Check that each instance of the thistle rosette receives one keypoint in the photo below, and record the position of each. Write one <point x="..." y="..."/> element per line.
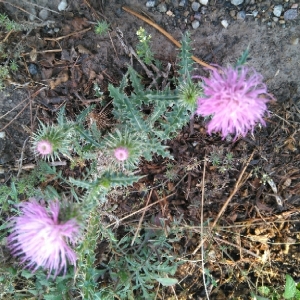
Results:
<point x="51" y="141"/>
<point x="43" y="238"/>
<point x="125" y="148"/>
<point x="236" y="98"/>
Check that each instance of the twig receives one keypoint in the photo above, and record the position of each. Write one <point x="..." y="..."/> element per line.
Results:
<point x="141" y="220"/>
<point x="236" y="188"/>
<point x="65" y="36"/>
<point x="21" y="158"/>
<point x="142" y="209"/>
<point x="202" y="233"/>
<point x="166" y="34"/>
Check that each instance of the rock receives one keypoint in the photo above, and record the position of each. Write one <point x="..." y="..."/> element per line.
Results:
<point x="224" y="23"/>
<point x="32" y="14"/>
<point x="44" y="14"/>
<point x="236" y="2"/>
<point x="150" y="3"/>
<point x="195" y="6"/>
<point x="182" y="3"/>
<point x="162" y="7"/>
<point x="254" y="13"/>
<point x="195" y="24"/>
<point x="277" y="10"/>
<point x="233" y="14"/>
<point x="62" y="5"/>
<point x="204" y="2"/>
<point x="291" y="14"/>
<point x="32" y="68"/>
<point x="241" y="15"/>
<point x="197" y="16"/>
<point x="295" y="41"/>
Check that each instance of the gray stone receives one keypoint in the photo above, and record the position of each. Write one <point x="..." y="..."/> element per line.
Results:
<point x="224" y="23"/>
<point x="236" y="2"/>
<point x="44" y="14"/>
<point x="241" y="15"/>
<point x="195" y="24"/>
<point x="150" y="3"/>
<point x="162" y="7"/>
<point x="277" y="10"/>
<point x="203" y="2"/>
<point x="291" y="14"/>
<point x="195" y="6"/>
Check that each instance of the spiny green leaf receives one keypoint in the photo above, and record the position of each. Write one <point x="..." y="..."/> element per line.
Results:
<point x="167" y="281"/>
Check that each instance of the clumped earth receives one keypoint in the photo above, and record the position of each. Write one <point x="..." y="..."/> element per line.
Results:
<point x="256" y="239"/>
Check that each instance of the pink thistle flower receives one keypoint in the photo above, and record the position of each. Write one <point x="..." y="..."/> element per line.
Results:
<point x="44" y="147"/>
<point x="41" y="239"/>
<point x="236" y="98"/>
<point x="121" y="153"/>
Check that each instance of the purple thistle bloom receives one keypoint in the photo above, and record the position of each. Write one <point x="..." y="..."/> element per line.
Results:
<point x="236" y="98"/>
<point x="44" y="148"/>
<point x="41" y="239"/>
<point x="121" y="153"/>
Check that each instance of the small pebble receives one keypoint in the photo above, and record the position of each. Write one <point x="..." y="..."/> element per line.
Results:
<point x="203" y="10"/>
<point x="197" y="16"/>
<point x="150" y="3"/>
<point x="295" y="5"/>
<point x="32" y="68"/>
<point x="295" y="41"/>
<point x="277" y="10"/>
<point x="162" y="7"/>
<point x="224" y="23"/>
<point x="241" y="15"/>
<point x="291" y="14"/>
<point x="44" y="14"/>
<point x="62" y="5"/>
<point x="2" y="134"/>
<point x="204" y="2"/>
<point x="236" y="2"/>
<point x="275" y="19"/>
<point x="233" y="13"/>
<point x="195" y="24"/>
<point x="32" y="14"/>
<point x="255" y="13"/>
<point x="182" y="3"/>
<point x="195" y="6"/>
<point x="282" y="22"/>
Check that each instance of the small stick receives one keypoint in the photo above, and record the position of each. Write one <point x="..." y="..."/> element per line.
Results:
<point x="141" y="210"/>
<point x="166" y="34"/>
<point x="236" y="188"/>
<point x="141" y="220"/>
<point x="65" y="36"/>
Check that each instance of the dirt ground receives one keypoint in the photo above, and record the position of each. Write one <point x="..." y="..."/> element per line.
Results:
<point x="260" y="221"/>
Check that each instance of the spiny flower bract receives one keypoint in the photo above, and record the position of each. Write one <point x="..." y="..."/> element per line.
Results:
<point x="235" y="98"/>
<point x="41" y="239"/>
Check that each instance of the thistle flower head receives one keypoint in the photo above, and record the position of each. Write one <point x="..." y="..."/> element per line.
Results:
<point x="49" y="141"/>
<point x="236" y="98"/>
<point x="41" y="239"/>
<point x="121" y="153"/>
<point x="125" y="148"/>
<point x="44" y="147"/>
